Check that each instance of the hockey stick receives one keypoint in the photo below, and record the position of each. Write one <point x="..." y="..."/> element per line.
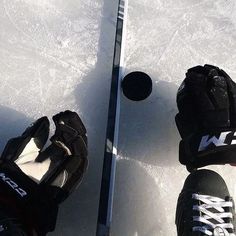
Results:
<point x="110" y="153"/>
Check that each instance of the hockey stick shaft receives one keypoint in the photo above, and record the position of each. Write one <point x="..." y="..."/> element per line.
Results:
<point x="110" y="153"/>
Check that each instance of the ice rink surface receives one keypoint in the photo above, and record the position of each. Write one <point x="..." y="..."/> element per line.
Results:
<point x="57" y="55"/>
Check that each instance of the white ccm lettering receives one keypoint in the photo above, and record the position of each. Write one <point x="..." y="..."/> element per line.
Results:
<point x="206" y="141"/>
<point x="234" y="141"/>
<point x="13" y="185"/>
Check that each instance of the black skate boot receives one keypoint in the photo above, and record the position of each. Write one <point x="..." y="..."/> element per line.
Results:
<point x="204" y="206"/>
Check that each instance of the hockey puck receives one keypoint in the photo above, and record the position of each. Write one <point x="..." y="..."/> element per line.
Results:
<point x="136" y="86"/>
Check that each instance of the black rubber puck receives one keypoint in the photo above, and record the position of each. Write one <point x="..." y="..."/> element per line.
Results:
<point x="136" y="86"/>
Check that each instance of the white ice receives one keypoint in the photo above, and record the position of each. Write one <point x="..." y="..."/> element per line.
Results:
<point x="57" y="55"/>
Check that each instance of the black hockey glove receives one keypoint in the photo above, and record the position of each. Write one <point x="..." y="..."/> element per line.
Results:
<point x="34" y="182"/>
<point x="207" y="118"/>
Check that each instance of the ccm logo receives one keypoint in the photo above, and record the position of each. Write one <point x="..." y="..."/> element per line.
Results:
<point x="221" y="141"/>
<point x="13" y="185"/>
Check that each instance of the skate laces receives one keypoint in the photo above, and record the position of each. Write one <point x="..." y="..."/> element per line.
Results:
<point x="213" y="216"/>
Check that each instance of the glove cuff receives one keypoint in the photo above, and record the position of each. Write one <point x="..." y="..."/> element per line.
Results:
<point x="32" y="200"/>
<point x="202" y="149"/>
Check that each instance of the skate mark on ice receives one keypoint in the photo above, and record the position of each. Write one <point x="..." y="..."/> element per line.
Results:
<point x="179" y="25"/>
<point x="38" y="49"/>
<point x="154" y="172"/>
<point x="160" y="175"/>
<point x="193" y="6"/>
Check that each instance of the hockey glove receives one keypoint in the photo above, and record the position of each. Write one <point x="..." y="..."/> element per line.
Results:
<point x="207" y="117"/>
<point x="33" y="182"/>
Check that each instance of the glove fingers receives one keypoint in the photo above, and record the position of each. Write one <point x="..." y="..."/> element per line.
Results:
<point x="206" y="91"/>
<point x="195" y="92"/>
<point x="68" y="126"/>
<point x="32" y="140"/>
<point x="198" y="83"/>
<point x="232" y="98"/>
<point x="73" y="169"/>
<point x="190" y="93"/>
<point x="186" y="118"/>
<point x="71" y="119"/>
<point x="66" y="171"/>
<point x="220" y="117"/>
<point x="68" y="154"/>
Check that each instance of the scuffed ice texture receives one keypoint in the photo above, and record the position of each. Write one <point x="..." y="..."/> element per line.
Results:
<point x="47" y="49"/>
<point x="57" y="55"/>
<point x="169" y="36"/>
